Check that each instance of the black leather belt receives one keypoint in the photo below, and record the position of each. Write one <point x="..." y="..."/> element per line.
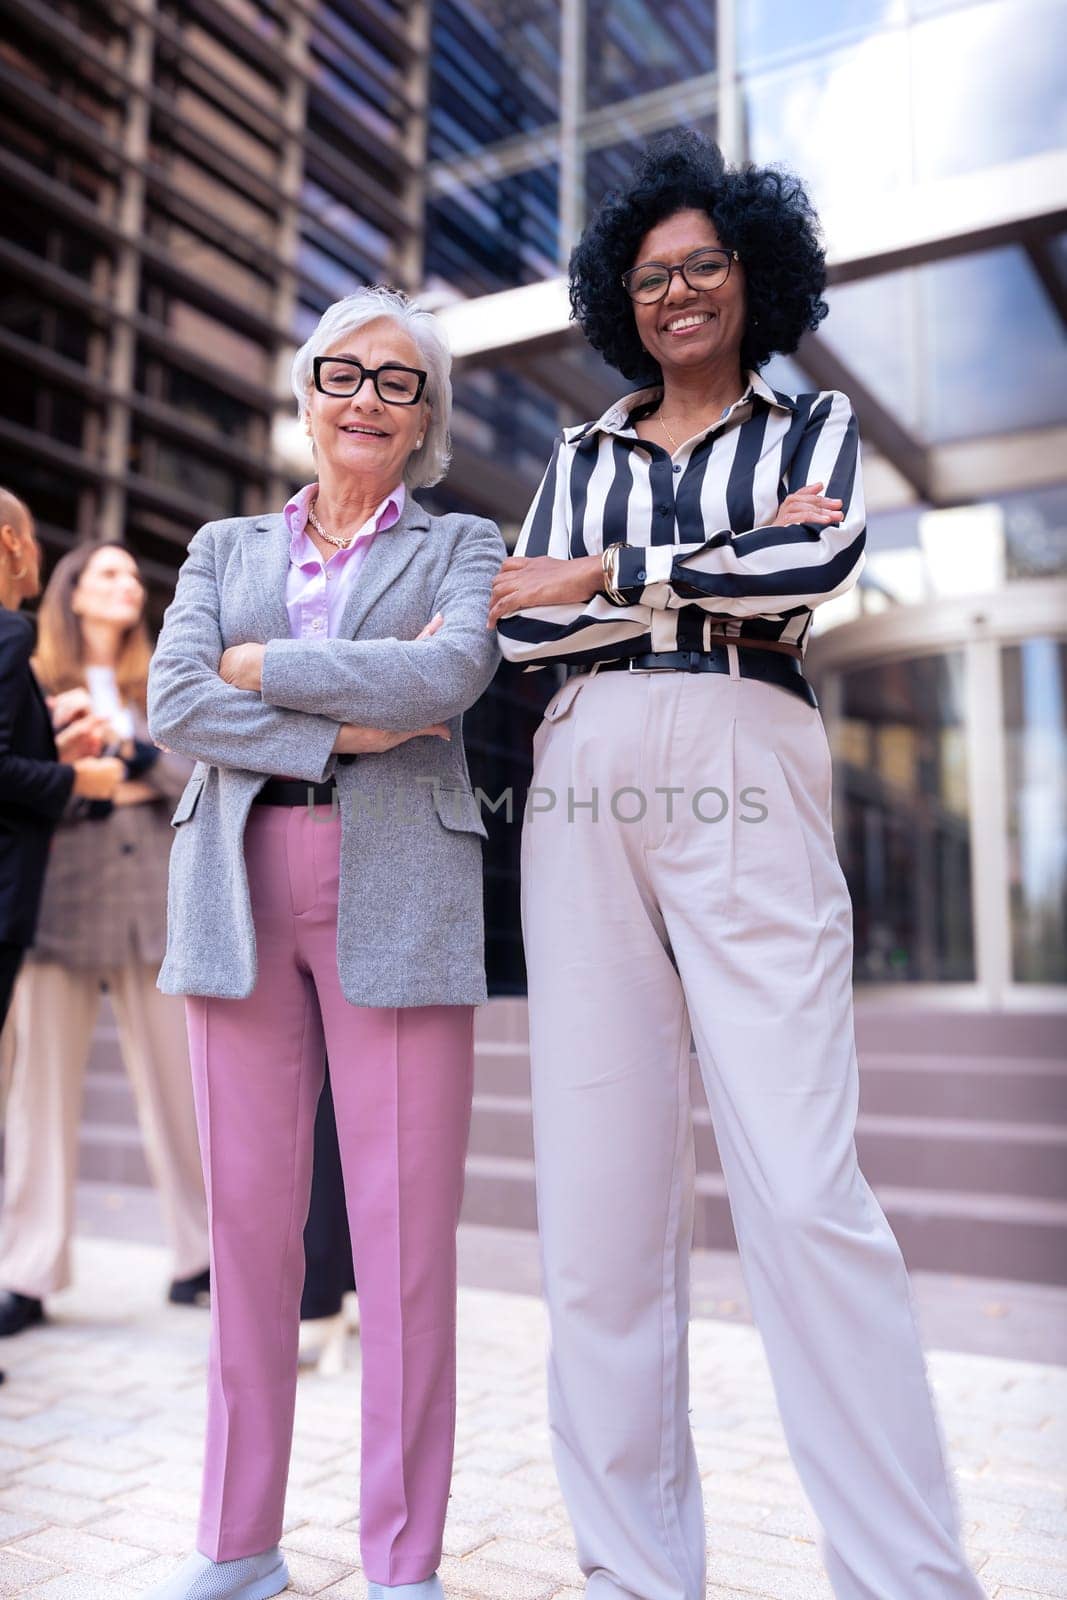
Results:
<point x="784" y="670"/>
<point x="292" y="792"/>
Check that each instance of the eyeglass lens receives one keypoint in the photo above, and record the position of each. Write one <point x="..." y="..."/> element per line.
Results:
<point x="395" y="385"/>
<point x="705" y="269"/>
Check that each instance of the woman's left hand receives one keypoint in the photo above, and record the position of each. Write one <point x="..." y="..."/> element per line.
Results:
<point x="543" y="581"/>
<point x="242" y="666"/>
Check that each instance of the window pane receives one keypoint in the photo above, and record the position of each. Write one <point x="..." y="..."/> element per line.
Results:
<point x="904" y="829"/>
<point x="494" y="73"/>
<point x="872" y="326"/>
<point x="768" y="31"/>
<point x="1035" y="733"/>
<point x="635" y="46"/>
<point x="995" y="351"/>
<point x="495" y="235"/>
<point x="611" y="166"/>
<point x="988" y="85"/>
<point x="801" y="115"/>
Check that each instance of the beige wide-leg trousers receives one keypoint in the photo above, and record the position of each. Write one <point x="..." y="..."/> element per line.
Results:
<point x="719" y="908"/>
<point x="53" y="1017"/>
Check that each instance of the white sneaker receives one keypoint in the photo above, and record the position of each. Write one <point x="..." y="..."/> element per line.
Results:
<point x="249" y="1578"/>
<point x="428" y="1589"/>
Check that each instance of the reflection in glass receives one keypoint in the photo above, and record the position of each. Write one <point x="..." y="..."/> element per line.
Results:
<point x="957" y="348"/>
<point x="995" y="351"/>
<point x="495" y="235"/>
<point x="768" y="31"/>
<point x="903" y="830"/>
<point x="494" y="72"/>
<point x="988" y="85"/>
<point x="803" y="114"/>
<point x="635" y="46"/>
<point x="1035" y="736"/>
<point x="1035" y="530"/>
<point x="612" y="166"/>
<point x="873" y="326"/>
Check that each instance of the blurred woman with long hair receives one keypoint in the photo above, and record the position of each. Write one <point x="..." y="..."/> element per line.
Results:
<point x="102" y="925"/>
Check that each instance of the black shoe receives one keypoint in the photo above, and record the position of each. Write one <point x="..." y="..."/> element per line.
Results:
<point x="194" y="1291"/>
<point x="18" y="1311"/>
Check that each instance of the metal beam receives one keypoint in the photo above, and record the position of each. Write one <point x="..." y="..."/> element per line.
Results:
<point x="878" y="425"/>
<point x="1043" y="261"/>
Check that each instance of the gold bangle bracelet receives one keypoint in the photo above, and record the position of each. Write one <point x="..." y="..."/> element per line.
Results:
<point x="610" y="561"/>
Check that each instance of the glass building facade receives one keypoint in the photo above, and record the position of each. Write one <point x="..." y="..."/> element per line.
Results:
<point x="188" y="185"/>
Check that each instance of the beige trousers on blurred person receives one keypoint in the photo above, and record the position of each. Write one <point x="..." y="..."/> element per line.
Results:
<point x="704" y="894"/>
<point x="54" y="1013"/>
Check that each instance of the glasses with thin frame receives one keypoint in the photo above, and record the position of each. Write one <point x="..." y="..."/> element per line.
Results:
<point x="395" y="384"/>
<point x="649" y="281"/>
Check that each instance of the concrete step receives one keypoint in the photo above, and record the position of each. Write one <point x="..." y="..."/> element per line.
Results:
<point x="914" y="1028"/>
<point x="989" y="1235"/>
<point x="908" y="1027"/>
<point x="991" y="1088"/>
<point x="109" y="1099"/>
<point x="999" y="1158"/>
<point x="110" y="1152"/>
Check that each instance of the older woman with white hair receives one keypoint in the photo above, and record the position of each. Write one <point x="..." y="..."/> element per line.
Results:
<point x="325" y="898"/>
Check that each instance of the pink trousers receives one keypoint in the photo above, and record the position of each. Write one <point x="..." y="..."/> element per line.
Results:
<point x="402" y="1083"/>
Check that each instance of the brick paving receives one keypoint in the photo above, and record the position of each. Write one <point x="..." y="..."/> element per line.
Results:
<point x="101" y="1424"/>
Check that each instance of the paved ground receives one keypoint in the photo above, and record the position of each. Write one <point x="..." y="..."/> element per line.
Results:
<point x="101" y="1418"/>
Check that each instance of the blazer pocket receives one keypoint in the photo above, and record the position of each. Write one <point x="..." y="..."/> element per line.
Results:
<point x="187" y="804"/>
<point x="458" y="810"/>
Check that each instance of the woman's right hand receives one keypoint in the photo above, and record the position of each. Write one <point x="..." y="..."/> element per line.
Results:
<point x="67" y="705"/>
<point x="86" y="735"/>
<point x="808" y="505"/>
<point x="97" y="777"/>
<point x="354" y="741"/>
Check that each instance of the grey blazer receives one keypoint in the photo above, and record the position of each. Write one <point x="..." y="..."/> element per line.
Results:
<point x="410" y="924"/>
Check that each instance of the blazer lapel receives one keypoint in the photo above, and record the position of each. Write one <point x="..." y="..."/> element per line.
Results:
<point x="266" y="567"/>
<point x="385" y="561"/>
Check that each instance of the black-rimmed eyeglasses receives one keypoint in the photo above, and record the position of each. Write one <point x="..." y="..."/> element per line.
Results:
<point x="345" y="376"/>
<point x="649" y="281"/>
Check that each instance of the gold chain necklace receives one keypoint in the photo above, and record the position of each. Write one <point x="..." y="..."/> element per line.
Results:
<point x="342" y="544"/>
<point x="662" y="422"/>
<point x="674" y="443"/>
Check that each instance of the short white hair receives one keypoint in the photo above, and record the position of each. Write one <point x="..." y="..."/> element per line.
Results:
<point x="428" y="465"/>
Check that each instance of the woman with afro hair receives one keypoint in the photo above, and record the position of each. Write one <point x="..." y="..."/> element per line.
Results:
<point x="680" y="878"/>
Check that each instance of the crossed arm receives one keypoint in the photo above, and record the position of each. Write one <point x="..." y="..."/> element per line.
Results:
<point x="294" y="705"/>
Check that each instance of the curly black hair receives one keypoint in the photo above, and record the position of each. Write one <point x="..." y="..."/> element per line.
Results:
<point x="761" y="212"/>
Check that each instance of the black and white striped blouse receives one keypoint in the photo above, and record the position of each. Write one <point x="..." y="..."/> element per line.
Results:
<point x="700" y="557"/>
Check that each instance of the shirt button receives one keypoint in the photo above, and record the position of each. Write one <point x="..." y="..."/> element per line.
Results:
<point x="128" y="849"/>
<point x="317" y="624"/>
<point x="640" y="576"/>
<point x="677" y="467"/>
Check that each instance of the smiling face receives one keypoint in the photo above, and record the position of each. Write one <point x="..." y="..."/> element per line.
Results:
<point x="690" y="328"/>
<point x="110" y="589"/>
<point x="360" y="436"/>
